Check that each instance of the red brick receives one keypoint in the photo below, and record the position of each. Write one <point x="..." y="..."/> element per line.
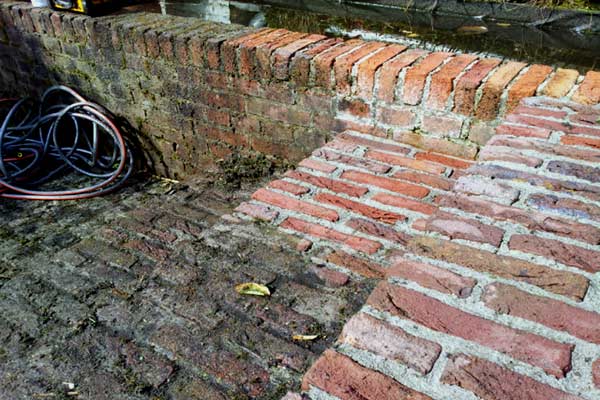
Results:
<point x="388" y="77"/>
<point x="565" y="253"/>
<point x="490" y="381"/>
<point x="589" y="90"/>
<point x="424" y="179"/>
<point x="368" y="127"/>
<point x="526" y="131"/>
<point x="432" y="277"/>
<point x="559" y="282"/>
<point x="343" y="65"/>
<point x="398" y="117"/>
<point x="356" y="107"/>
<point x="278" y="112"/>
<point x="561" y="83"/>
<point x="289" y="187"/>
<point x="580" y="141"/>
<point x="264" y="51"/>
<point x="561" y="126"/>
<point x="405" y="162"/>
<point x="414" y="80"/>
<point x="385" y="340"/>
<point x="340" y="144"/>
<point x="494" y="153"/>
<point x="323" y="62"/>
<point x="353" y="161"/>
<point x="439" y="145"/>
<point x="357" y="243"/>
<point x="317" y="165"/>
<point x="300" y="63"/>
<point x="534" y="221"/>
<point x="327" y="183"/>
<point x="445" y="160"/>
<point x="229" y="48"/>
<point x="596" y="373"/>
<point x="527" y="84"/>
<point x="402" y="202"/>
<point x="544" y="147"/>
<point x="386" y="183"/>
<point x="283" y="55"/>
<point x="586" y="117"/>
<point x="372" y="144"/>
<point x="540" y="112"/>
<point x="442" y="126"/>
<point x="339" y="376"/>
<point x="552" y="357"/>
<point x="361" y="208"/>
<point x="357" y="265"/>
<point x="506" y="299"/>
<point x="247" y="51"/>
<point x="290" y="203"/>
<point x="367" y="68"/>
<point x="332" y="278"/>
<point x="488" y="106"/>
<point x="463" y="228"/>
<point x="257" y="211"/>
<point x="442" y="81"/>
<point x="467" y="85"/>
<point x="386" y="232"/>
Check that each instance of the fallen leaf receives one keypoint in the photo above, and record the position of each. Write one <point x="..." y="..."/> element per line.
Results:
<point x="472" y="30"/>
<point x="503" y="24"/>
<point x="253" y="289"/>
<point x="304" y="338"/>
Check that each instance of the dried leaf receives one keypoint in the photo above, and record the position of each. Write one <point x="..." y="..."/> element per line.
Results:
<point x="305" y="338"/>
<point x="253" y="289"/>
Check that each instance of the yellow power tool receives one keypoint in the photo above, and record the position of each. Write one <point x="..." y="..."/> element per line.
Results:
<point x="89" y="7"/>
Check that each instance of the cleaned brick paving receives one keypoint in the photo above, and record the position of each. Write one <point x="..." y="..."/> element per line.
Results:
<point x="441" y="241"/>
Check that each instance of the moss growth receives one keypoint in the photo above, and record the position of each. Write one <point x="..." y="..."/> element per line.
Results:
<point x="241" y="167"/>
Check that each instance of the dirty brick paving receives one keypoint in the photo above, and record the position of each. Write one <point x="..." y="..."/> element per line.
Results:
<point x="131" y="297"/>
<point x="489" y="283"/>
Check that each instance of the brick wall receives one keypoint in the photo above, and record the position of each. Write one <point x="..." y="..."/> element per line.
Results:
<point x="199" y="91"/>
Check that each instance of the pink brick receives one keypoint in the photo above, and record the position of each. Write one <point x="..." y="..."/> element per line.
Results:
<point x="398" y="117"/>
<point x="463" y="228"/>
<point x="443" y="126"/>
<point x="257" y="211"/>
<point x="332" y="278"/>
<point x="292" y="204"/>
<point x="403" y="202"/>
<point x="368" y="67"/>
<point x="388" y="77"/>
<point x="490" y="153"/>
<point x="361" y="208"/>
<point x="596" y="373"/>
<point x="327" y="183"/>
<point x="552" y="357"/>
<point x="289" y="187"/>
<point x="317" y="165"/>
<point x="442" y="81"/>
<point x="393" y="185"/>
<point x="405" y="162"/>
<point x="343" y="65"/>
<point x="368" y="333"/>
<point x="526" y="131"/>
<point x="353" y="161"/>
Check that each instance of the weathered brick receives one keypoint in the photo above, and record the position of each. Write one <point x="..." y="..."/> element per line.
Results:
<point x="490" y="381"/>
<point x="300" y="63"/>
<point x="494" y="153"/>
<point x="339" y="376"/>
<point x="328" y="183"/>
<point x="543" y="147"/>
<point x="358" y="207"/>
<point x="552" y="357"/>
<point x="379" y="230"/>
<point x="264" y="51"/>
<point x="289" y="187"/>
<point x="277" y="111"/>
<point x="560" y="126"/>
<point x="589" y="90"/>
<point x="405" y="162"/>
<point x="540" y="112"/>
<point x="353" y="161"/>
<point x="414" y="81"/>
<point x="343" y="65"/>
<point x="432" y="277"/>
<point x="332" y="278"/>
<point x="442" y="126"/>
<point x="555" y="314"/>
<point x="290" y="203"/>
<point x="388" y="77"/>
<point x="283" y="55"/>
<point x="534" y="221"/>
<point x="577" y="170"/>
<point x="527" y="84"/>
<point x="424" y="179"/>
<point x="463" y="228"/>
<point x="372" y="144"/>
<point x="442" y="81"/>
<point x="574" y="256"/>
<point x="438" y="145"/>
<point x="357" y="265"/>
<point x="367" y="68"/>
<point x="564" y="206"/>
<point x="564" y="283"/>
<point x="386" y="183"/>
<point x="561" y="83"/>
<point x="365" y="126"/>
<point x="480" y="186"/>
<point x="257" y="211"/>
<point x="574" y="140"/>
<point x="467" y="85"/>
<point x="368" y="333"/>
<point x="488" y="106"/>
<point x="526" y="131"/>
<point x="229" y="49"/>
<point x="596" y="373"/>
<point x="396" y="116"/>
<point x="356" y="107"/>
<point x="444" y="160"/>
<point x="317" y="165"/>
<point x="323" y="62"/>
<point x="403" y="202"/>
<point x="357" y="243"/>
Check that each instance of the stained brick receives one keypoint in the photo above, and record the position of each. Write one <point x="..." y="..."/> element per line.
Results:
<point x="403" y="202"/>
<point x="487" y="108"/>
<point x="499" y="192"/>
<point x="564" y="206"/>
<point x="328" y="183"/>
<point x="565" y="283"/>
<point x="264" y="51"/>
<point x="317" y="165"/>
<point x="527" y="84"/>
<point x="353" y="161"/>
<point x="432" y="277"/>
<point x="596" y="373"/>
<point x="405" y="162"/>
<point x="300" y="63"/>
<point x="442" y="126"/>
<point x="561" y="83"/>
<point x="445" y="160"/>
<point x="257" y="211"/>
<point x="290" y="203"/>
<point x="494" y="153"/>
<point x="379" y="230"/>
<point x="467" y="85"/>
<point x="372" y="144"/>
<point x="356" y="107"/>
<point x="359" y="207"/>
<point x="580" y="141"/>
<point x="463" y="228"/>
<point x="323" y="62"/>
<point x="386" y="183"/>
<point x="357" y="265"/>
<point x="414" y="81"/>
<point x="357" y="243"/>
<point x="332" y="278"/>
<point x="424" y="179"/>
<point x="574" y="256"/>
<point x="442" y="81"/>
<point x="367" y="68"/>
<point x="339" y="376"/>
<point x="490" y="381"/>
<point x="288" y="187"/>
<point x="526" y="131"/>
<point x="368" y="333"/>
<point x="283" y="55"/>
<point x="577" y="170"/>
<point x="438" y="145"/>
<point x="388" y="77"/>
<point x="553" y="357"/>
<point x="398" y="117"/>
<point x="560" y="126"/>
<point x="555" y="314"/>
<point x="589" y="90"/>
<point x="343" y="65"/>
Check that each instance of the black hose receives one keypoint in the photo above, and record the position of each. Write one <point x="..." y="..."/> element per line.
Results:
<point x="62" y="133"/>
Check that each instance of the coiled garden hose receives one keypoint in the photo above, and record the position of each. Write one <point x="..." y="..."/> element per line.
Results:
<point x="62" y="133"/>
